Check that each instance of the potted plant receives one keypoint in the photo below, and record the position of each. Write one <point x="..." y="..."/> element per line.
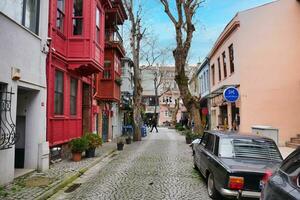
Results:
<point x="94" y="141"/>
<point x="118" y="81"/>
<point x="128" y="139"/>
<point x="120" y="143"/>
<point x="78" y="146"/>
<point x="189" y="136"/>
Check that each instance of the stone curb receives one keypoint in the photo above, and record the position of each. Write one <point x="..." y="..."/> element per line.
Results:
<point x="63" y="183"/>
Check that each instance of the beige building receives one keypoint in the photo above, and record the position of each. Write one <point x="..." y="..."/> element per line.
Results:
<point x="258" y="52"/>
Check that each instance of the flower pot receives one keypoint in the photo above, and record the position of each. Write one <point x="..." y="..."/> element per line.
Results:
<point x="90" y="153"/>
<point x="128" y="140"/>
<point x="76" y="156"/>
<point x="120" y="146"/>
<point x="188" y="140"/>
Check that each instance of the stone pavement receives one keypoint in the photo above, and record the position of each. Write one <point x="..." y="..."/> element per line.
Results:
<point x="159" y="167"/>
<point x="40" y="185"/>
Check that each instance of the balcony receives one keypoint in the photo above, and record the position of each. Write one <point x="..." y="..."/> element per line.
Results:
<point x="113" y="39"/>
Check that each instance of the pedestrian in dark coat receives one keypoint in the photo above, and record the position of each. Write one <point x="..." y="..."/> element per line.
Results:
<point x="154" y="125"/>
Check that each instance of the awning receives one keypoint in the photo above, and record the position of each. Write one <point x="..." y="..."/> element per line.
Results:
<point x="220" y="91"/>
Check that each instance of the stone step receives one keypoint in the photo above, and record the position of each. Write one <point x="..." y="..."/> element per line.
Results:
<point x="295" y="140"/>
<point x="292" y="145"/>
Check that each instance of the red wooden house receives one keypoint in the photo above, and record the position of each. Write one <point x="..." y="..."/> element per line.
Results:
<point x="76" y="55"/>
<point x="109" y="80"/>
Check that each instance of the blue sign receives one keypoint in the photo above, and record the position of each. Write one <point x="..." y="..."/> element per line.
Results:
<point x="231" y="94"/>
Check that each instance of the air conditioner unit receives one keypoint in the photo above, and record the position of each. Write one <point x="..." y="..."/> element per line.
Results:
<point x="15" y="73"/>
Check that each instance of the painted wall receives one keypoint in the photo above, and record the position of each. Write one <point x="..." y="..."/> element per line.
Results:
<point x="266" y="56"/>
<point x="23" y="50"/>
<point x="269" y="49"/>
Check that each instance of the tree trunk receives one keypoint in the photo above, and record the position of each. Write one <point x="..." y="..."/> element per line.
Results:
<point x="191" y="103"/>
<point x="175" y="112"/>
<point x="137" y="100"/>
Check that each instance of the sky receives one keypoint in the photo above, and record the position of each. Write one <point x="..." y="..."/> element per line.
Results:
<point x="210" y="20"/>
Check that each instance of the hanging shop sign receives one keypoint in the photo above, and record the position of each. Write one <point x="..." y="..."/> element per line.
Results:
<point x="231" y="94"/>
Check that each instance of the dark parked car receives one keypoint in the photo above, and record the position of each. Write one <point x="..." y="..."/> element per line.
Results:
<point x="235" y="164"/>
<point x="285" y="182"/>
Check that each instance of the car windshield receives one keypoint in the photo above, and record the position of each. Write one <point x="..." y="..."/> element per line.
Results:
<point x="248" y="148"/>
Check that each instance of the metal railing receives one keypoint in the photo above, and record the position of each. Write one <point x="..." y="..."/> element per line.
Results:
<point x="8" y="136"/>
<point x="113" y="36"/>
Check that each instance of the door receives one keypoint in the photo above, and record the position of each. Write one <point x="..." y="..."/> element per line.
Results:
<point x="20" y="145"/>
<point x="207" y="152"/>
<point x="104" y="126"/>
<point x="86" y="108"/>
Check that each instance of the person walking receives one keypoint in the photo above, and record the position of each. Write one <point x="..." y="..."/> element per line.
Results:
<point x="154" y="125"/>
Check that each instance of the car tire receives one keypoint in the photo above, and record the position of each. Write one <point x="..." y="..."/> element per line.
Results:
<point x="195" y="165"/>
<point x="211" y="190"/>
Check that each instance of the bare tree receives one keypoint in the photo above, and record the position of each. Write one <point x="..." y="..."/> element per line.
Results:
<point x="152" y="54"/>
<point x="184" y="28"/>
<point x="136" y="35"/>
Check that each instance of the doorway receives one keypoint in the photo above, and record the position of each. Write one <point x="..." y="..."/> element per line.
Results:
<point x="86" y="108"/>
<point x="223" y="117"/>
<point x="105" y="126"/>
<point x="20" y="144"/>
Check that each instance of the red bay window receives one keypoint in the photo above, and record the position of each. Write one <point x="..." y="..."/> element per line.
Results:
<point x="60" y="15"/>
<point x="77" y="17"/>
<point x="98" y="23"/>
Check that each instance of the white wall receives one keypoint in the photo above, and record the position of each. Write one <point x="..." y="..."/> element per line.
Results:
<point x="20" y="48"/>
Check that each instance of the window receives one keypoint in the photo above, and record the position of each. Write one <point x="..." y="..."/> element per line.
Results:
<point x="219" y="69"/>
<point x="77" y="17"/>
<point x="224" y="64"/>
<point x="166" y="113"/>
<point x="59" y="93"/>
<point x="204" y="139"/>
<point x="248" y="148"/>
<point x="210" y="143"/>
<point x="60" y="15"/>
<point x="213" y="74"/>
<point x="98" y="23"/>
<point x="25" y="12"/>
<point x="231" y="58"/>
<point x="73" y="96"/>
<point x="291" y="163"/>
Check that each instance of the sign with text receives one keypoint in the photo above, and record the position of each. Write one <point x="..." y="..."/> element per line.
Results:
<point x="231" y="94"/>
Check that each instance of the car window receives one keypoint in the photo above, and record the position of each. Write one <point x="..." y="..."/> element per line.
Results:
<point x="249" y="148"/>
<point x="226" y="148"/>
<point x="292" y="163"/>
<point x="210" y="143"/>
<point x="204" y="139"/>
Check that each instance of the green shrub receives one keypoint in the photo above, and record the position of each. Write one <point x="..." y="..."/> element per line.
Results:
<point x="79" y="145"/>
<point x="179" y="127"/>
<point x="94" y="140"/>
<point x="190" y="135"/>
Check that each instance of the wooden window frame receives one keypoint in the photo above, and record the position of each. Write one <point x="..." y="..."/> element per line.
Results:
<point x="224" y="64"/>
<point x="231" y="58"/>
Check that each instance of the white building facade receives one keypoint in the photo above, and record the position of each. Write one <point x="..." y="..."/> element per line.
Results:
<point x="23" y="41"/>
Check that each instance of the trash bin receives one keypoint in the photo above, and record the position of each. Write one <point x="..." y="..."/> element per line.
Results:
<point x="144" y="131"/>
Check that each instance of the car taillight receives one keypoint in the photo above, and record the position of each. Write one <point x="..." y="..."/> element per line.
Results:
<point x="236" y="183"/>
<point x="267" y="176"/>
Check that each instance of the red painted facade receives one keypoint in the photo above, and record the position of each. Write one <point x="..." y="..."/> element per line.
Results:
<point x="77" y="53"/>
<point x="108" y="88"/>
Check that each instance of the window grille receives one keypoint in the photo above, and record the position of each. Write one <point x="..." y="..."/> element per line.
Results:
<point x="8" y="136"/>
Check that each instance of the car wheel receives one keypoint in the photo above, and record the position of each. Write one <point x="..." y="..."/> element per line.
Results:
<point x="195" y="165"/>
<point x="211" y="190"/>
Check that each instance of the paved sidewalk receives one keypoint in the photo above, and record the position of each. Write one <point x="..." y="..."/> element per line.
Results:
<point x="42" y="185"/>
<point x="285" y="151"/>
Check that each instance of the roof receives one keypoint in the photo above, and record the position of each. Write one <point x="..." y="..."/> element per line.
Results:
<point x="236" y="135"/>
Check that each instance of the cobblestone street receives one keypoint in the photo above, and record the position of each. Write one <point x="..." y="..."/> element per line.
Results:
<point x="159" y="167"/>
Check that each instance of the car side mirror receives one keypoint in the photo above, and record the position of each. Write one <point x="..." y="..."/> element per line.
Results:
<point x="298" y="181"/>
